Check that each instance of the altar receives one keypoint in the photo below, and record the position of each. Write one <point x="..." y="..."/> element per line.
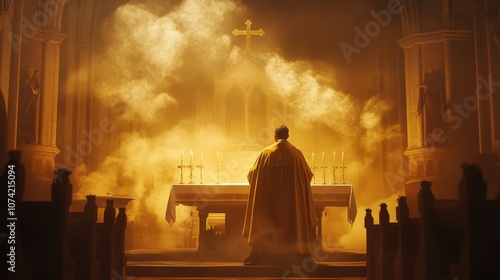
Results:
<point x="231" y="199"/>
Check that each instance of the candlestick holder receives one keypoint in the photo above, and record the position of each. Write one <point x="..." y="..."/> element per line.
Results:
<point x="201" y="166"/>
<point x="181" y="167"/>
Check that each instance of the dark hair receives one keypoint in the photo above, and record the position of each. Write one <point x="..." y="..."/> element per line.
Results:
<point x="281" y="132"/>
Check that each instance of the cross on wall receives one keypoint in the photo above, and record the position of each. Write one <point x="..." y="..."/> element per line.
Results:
<point x="248" y="32"/>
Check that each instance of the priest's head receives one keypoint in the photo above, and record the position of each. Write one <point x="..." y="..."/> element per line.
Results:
<point x="281" y="132"/>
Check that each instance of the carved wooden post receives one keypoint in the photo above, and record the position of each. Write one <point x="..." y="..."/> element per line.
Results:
<point x="61" y="196"/>
<point x="90" y="210"/>
<point x="428" y="267"/>
<point x="62" y="192"/>
<point x="480" y="257"/>
<point x="402" y="211"/>
<point x="106" y="253"/>
<point x="404" y="265"/>
<point x="85" y="255"/>
<point x="121" y="225"/>
<point x="371" y="246"/>
<point x="384" y="270"/>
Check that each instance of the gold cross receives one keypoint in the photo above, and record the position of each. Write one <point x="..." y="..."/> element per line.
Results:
<point x="248" y="32"/>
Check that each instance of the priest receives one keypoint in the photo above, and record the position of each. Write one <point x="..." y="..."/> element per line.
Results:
<point x="280" y="219"/>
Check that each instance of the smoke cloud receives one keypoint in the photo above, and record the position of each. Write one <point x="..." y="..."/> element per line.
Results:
<point x="153" y="62"/>
<point x="147" y="51"/>
<point x="300" y="87"/>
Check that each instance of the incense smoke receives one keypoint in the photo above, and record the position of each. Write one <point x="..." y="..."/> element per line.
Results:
<point x="147" y="52"/>
<point x="152" y="63"/>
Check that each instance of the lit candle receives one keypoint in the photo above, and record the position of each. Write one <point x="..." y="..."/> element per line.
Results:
<point x="182" y="155"/>
<point x="313" y="159"/>
<point x="342" y="159"/>
<point x="191" y="159"/>
<point x="334" y="159"/>
<point x="323" y="159"/>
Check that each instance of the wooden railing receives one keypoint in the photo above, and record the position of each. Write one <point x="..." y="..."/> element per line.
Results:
<point x="452" y="239"/>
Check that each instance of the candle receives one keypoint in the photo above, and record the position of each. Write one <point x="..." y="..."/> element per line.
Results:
<point x="342" y="159"/>
<point x="334" y="159"/>
<point x="313" y="158"/>
<point x="191" y="159"/>
<point x="323" y="159"/>
<point x="182" y="155"/>
<point x="201" y="158"/>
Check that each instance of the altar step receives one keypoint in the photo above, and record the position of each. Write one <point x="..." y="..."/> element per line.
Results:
<point x="191" y="254"/>
<point x="227" y="269"/>
<point x="156" y="265"/>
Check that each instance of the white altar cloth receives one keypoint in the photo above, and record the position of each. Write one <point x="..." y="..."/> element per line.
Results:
<point x="219" y="196"/>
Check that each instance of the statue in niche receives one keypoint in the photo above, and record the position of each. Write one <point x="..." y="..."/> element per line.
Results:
<point x="431" y="105"/>
<point x="28" y="107"/>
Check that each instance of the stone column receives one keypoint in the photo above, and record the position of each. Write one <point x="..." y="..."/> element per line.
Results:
<point x="41" y="42"/>
<point x="15" y="28"/>
<point x="431" y="154"/>
<point x="6" y="22"/>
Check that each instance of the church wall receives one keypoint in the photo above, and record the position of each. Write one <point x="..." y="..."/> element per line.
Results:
<point x="392" y="88"/>
<point x="489" y="16"/>
<point x="5" y="58"/>
<point x="91" y="127"/>
<point x="14" y="75"/>
<point x="245" y="81"/>
<point x="493" y="67"/>
<point x="464" y="136"/>
<point x="461" y="15"/>
<point x="413" y="76"/>
<point x="66" y="101"/>
<point x="451" y="52"/>
<point x="431" y="18"/>
<point x="33" y="43"/>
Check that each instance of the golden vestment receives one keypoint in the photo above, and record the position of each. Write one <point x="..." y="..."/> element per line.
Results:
<point x="280" y="214"/>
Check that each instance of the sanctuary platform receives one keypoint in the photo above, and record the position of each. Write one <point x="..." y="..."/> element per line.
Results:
<point x="189" y="264"/>
<point x="231" y="199"/>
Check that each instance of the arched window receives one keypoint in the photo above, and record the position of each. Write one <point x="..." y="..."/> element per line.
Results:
<point x="235" y="116"/>
<point x="257" y="116"/>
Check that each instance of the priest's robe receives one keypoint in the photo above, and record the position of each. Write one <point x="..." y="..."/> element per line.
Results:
<point x="280" y="215"/>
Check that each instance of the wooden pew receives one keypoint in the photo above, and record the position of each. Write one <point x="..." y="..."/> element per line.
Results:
<point x="408" y="241"/>
<point x="57" y="244"/>
<point x="452" y="239"/>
